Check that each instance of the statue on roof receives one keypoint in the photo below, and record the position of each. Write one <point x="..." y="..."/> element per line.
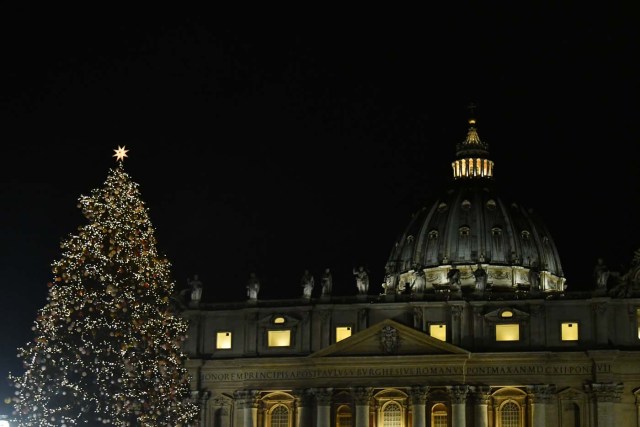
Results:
<point x="362" y="280"/>
<point x="253" y="287"/>
<point x="326" y="282"/>
<point x="601" y="275"/>
<point x="307" y="283"/>
<point x="196" y="289"/>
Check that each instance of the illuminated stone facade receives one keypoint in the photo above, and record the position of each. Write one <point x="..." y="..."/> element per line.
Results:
<point x="473" y="328"/>
<point x="541" y="376"/>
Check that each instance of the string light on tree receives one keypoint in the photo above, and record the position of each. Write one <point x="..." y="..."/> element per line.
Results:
<point x="107" y="345"/>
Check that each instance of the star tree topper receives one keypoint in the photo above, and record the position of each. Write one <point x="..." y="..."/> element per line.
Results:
<point x="121" y="153"/>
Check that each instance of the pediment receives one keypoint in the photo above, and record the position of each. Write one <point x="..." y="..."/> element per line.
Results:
<point x="389" y="338"/>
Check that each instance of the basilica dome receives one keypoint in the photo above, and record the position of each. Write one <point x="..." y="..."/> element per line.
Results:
<point x="470" y="239"/>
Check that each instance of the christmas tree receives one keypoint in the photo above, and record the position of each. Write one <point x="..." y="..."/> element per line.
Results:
<point x="107" y="345"/>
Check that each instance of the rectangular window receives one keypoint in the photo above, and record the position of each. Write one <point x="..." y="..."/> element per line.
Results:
<point x="569" y="331"/>
<point x="508" y="332"/>
<point x="343" y="332"/>
<point x="279" y="338"/>
<point x="438" y="331"/>
<point x="223" y="340"/>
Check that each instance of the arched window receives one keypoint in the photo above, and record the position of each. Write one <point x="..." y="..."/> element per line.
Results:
<point x="510" y="414"/>
<point x="279" y="416"/>
<point x="343" y="416"/>
<point x="392" y="415"/>
<point x="439" y="416"/>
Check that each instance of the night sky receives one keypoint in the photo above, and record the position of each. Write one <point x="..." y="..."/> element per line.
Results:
<point x="278" y="148"/>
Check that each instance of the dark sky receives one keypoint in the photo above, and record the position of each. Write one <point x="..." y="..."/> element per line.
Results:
<point x="284" y="147"/>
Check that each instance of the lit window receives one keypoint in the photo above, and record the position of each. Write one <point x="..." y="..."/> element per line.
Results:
<point x="343" y="416"/>
<point x="438" y="331"/>
<point x="570" y="331"/>
<point x="439" y="416"/>
<point x="510" y="414"/>
<point x="279" y="338"/>
<point x="279" y="320"/>
<point x="280" y="416"/>
<point x="508" y="332"/>
<point x="223" y="340"/>
<point x="506" y="313"/>
<point x="392" y="415"/>
<point x="343" y="332"/>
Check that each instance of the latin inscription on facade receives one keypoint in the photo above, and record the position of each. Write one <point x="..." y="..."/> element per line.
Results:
<point x="318" y="373"/>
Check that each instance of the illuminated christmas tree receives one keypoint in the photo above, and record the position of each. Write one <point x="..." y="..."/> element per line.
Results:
<point x="107" y="345"/>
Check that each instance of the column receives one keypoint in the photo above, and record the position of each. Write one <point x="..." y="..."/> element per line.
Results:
<point x="480" y="399"/>
<point x="201" y="399"/>
<point x="601" y="320"/>
<point x="539" y="396"/>
<point x="637" y="394"/>
<point x="458" y="395"/>
<point x="303" y="407"/>
<point x="361" y="397"/>
<point x="248" y="405"/>
<point x="219" y="414"/>
<point x="603" y="396"/>
<point x="418" y="395"/>
<point x="456" y="313"/>
<point x="323" y="406"/>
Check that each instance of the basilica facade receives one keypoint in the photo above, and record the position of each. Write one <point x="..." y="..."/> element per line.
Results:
<point x="474" y="327"/>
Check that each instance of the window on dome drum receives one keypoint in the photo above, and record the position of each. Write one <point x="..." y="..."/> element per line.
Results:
<point x="496" y="231"/>
<point x="466" y="205"/>
<point x="343" y="332"/>
<point x="569" y="331"/>
<point x="510" y="414"/>
<point x="525" y="235"/>
<point x="223" y="340"/>
<point x="438" y="331"/>
<point x="279" y="338"/>
<point x="279" y="416"/>
<point x="392" y="415"/>
<point x="508" y="332"/>
<point x="439" y="416"/>
<point x="343" y="416"/>
<point x="464" y="231"/>
<point x="491" y="204"/>
<point x="433" y="234"/>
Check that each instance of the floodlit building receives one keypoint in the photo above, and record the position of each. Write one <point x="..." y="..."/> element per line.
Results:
<point x="474" y="328"/>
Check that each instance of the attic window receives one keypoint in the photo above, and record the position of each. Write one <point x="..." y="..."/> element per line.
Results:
<point x="279" y="320"/>
<point x="491" y="204"/>
<point x="525" y="235"/>
<point x="343" y="332"/>
<point x="438" y="331"/>
<point x="496" y="231"/>
<point x="466" y="205"/>
<point x="464" y="231"/>
<point x="442" y="207"/>
<point x="433" y="234"/>
<point x="506" y="313"/>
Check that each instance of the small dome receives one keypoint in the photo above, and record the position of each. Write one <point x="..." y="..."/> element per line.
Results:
<point x="470" y="229"/>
